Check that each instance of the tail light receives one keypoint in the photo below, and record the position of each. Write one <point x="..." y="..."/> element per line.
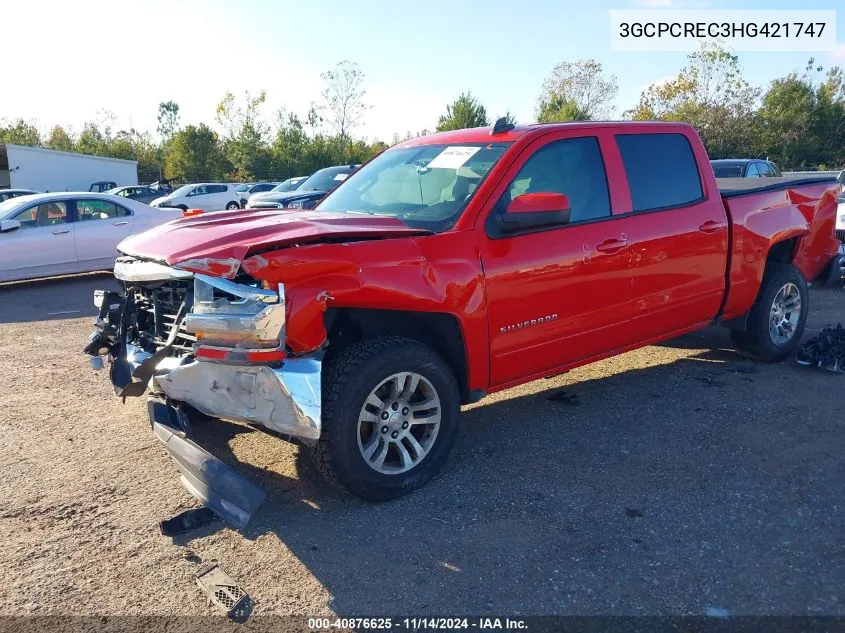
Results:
<point x="237" y="322"/>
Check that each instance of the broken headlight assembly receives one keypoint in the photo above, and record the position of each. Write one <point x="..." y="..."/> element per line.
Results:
<point x="237" y="322"/>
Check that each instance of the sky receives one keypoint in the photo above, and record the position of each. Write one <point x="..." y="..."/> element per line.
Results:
<point x="69" y="62"/>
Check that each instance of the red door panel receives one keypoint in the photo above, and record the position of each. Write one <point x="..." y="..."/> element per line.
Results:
<point x="554" y="299"/>
<point x="557" y="296"/>
<point x="678" y="268"/>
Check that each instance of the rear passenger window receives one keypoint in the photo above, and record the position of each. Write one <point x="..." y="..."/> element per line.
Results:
<point x="573" y="167"/>
<point x="217" y="189"/>
<point x="98" y="210"/>
<point x="661" y="170"/>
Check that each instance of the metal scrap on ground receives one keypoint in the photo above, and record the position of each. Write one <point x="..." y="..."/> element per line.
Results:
<point x="827" y="350"/>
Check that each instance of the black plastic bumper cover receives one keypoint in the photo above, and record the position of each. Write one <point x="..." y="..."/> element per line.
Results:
<point x="226" y="492"/>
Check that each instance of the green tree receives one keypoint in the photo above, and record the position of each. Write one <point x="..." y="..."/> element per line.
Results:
<point x="60" y="139"/>
<point x="168" y="119"/>
<point x="288" y="145"/>
<point x="559" y="108"/>
<point x="582" y="83"/>
<point x="245" y="136"/>
<point x="93" y="140"/>
<point x="711" y="94"/>
<point x="195" y="154"/>
<point x="465" y="112"/>
<point x="19" y="132"/>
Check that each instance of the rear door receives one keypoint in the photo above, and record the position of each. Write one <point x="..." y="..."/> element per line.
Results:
<point x="100" y="226"/>
<point x="677" y="233"/>
<point x="559" y="295"/>
<point x="223" y="195"/>
<point x="43" y="245"/>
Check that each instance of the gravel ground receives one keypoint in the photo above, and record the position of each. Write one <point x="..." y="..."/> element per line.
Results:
<point x="670" y="480"/>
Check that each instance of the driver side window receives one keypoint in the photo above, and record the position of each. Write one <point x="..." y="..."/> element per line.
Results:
<point x="46" y="214"/>
<point x="573" y="167"/>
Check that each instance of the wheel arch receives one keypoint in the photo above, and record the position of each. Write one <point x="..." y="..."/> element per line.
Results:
<point x="439" y="330"/>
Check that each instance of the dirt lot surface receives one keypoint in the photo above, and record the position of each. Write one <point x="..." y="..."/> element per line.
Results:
<point x="671" y="480"/>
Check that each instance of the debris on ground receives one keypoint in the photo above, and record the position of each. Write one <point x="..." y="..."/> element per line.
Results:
<point x="187" y="521"/>
<point x="223" y="592"/>
<point x="827" y="350"/>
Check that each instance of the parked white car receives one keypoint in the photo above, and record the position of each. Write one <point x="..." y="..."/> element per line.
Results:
<point x="63" y="233"/>
<point x="208" y="196"/>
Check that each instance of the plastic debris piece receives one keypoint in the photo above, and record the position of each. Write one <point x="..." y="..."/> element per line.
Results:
<point x="187" y="521"/>
<point x="827" y="350"/>
<point x="220" y="589"/>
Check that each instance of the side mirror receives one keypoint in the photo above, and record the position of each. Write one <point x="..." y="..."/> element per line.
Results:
<point x="535" y="210"/>
<point x="9" y="225"/>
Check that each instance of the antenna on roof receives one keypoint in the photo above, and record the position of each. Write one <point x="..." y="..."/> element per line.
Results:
<point x="501" y="126"/>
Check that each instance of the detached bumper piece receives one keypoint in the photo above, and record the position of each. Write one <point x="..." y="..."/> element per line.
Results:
<point x="230" y="495"/>
<point x="827" y="350"/>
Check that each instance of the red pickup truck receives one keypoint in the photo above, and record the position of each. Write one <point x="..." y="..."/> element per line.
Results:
<point x="450" y="267"/>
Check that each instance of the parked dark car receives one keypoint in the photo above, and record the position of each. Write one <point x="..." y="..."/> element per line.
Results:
<point x="744" y="168"/>
<point x="8" y="194"/>
<point x="141" y="193"/>
<point x="101" y="186"/>
<point x="307" y="194"/>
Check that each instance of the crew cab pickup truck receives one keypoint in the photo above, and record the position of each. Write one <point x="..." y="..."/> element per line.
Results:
<point x="447" y="268"/>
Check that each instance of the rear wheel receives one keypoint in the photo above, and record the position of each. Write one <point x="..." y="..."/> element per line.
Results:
<point x="232" y="205"/>
<point x="389" y="418"/>
<point x="777" y="318"/>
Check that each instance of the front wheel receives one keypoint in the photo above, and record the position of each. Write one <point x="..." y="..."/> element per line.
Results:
<point x="389" y="418"/>
<point x="232" y="206"/>
<point x="777" y="318"/>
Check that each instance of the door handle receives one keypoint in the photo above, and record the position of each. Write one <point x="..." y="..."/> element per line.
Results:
<point x="711" y="226"/>
<point x="124" y="223"/>
<point x="613" y="245"/>
<point x="61" y="232"/>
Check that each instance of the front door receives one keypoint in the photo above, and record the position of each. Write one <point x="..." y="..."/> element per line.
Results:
<point x="559" y="295"/>
<point x="43" y="245"/>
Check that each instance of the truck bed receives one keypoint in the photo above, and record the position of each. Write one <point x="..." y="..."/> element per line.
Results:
<point x="733" y="187"/>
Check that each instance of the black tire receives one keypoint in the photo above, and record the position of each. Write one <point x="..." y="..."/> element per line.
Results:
<point x="347" y="381"/>
<point x="232" y="206"/>
<point x="182" y="206"/>
<point x="756" y="339"/>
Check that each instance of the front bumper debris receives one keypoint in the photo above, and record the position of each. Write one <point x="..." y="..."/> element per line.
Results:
<point x="230" y="495"/>
<point x="283" y="397"/>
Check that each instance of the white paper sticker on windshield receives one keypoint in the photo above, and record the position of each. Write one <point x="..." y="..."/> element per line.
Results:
<point x="452" y="157"/>
<point x="341" y="177"/>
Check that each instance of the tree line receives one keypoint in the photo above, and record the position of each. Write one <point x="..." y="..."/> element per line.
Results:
<point x="797" y="121"/>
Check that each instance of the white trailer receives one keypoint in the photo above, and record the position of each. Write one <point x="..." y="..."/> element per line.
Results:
<point x="46" y="170"/>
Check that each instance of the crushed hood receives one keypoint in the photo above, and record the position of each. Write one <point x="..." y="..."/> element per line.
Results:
<point x="234" y="235"/>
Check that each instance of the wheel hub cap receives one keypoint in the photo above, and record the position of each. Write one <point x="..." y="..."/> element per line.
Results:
<point x="399" y="422"/>
<point x="784" y="314"/>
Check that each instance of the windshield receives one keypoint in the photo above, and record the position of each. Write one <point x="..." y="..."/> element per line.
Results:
<point x="325" y="179"/>
<point x="240" y="188"/>
<point x="425" y="186"/>
<point x="288" y="185"/>
<point x="182" y="191"/>
<point x="728" y="171"/>
<point x="12" y="203"/>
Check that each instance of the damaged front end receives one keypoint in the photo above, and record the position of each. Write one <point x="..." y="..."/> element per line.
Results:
<point x="215" y="344"/>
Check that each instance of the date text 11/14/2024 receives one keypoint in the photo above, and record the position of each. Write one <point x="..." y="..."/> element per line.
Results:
<point x="418" y="624"/>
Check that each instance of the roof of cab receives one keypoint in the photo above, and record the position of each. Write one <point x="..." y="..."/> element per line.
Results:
<point x="484" y="134"/>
